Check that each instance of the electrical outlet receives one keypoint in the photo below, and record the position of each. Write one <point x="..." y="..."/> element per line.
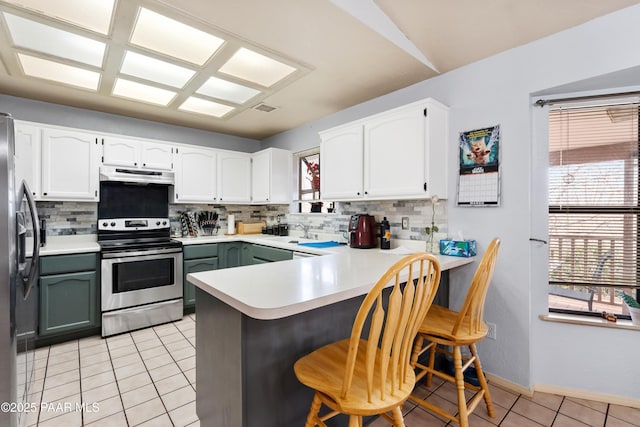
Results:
<point x="405" y="222"/>
<point x="492" y="330"/>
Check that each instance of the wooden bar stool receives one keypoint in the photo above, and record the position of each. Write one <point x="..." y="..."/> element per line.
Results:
<point x="456" y="329"/>
<point x="370" y="373"/>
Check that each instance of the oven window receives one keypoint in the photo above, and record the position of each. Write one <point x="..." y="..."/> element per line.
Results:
<point x="136" y="275"/>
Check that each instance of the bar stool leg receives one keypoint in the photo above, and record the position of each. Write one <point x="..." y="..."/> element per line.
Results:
<point x="313" y="411"/>
<point x="398" y="420"/>
<point x="462" y="401"/>
<point x="483" y="381"/>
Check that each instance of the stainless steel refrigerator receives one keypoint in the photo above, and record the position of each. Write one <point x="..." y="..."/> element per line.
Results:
<point x="19" y="252"/>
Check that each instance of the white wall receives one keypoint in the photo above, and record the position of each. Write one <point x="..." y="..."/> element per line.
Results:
<point x="498" y="90"/>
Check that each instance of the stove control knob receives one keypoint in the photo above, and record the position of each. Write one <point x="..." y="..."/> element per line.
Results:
<point x="113" y="224"/>
<point x="157" y="222"/>
<point x="104" y="224"/>
<point x="164" y="222"/>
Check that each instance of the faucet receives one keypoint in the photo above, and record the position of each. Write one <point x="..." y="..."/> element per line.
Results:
<point x="305" y="228"/>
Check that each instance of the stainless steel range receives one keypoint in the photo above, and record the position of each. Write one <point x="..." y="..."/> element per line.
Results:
<point x="141" y="267"/>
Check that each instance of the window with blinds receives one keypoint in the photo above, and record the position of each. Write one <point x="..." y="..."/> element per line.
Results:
<point x="594" y="238"/>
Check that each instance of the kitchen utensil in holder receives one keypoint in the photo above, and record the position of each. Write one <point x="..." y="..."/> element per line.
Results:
<point x="209" y="227"/>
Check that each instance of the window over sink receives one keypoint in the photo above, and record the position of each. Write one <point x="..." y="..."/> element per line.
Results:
<point x="309" y="182"/>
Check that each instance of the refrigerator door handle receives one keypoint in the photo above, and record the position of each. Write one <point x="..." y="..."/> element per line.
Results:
<point x="28" y="278"/>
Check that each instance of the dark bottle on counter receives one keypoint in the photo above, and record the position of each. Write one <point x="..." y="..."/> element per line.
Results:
<point x="385" y="234"/>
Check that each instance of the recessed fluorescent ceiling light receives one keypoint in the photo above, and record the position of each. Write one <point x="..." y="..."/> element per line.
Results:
<point x="139" y="92"/>
<point x="173" y="38"/>
<point x="94" y="15"/>
<point x="228" y="91"/>
<point x="49" y="70"/>
<point x="52" y="41"/>
<point x="202" y="106"/>
<point x="254" y="67"/>
<point x="155" y="70"/>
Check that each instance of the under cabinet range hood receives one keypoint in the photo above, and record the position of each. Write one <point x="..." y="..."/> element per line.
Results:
<point x="136" y="176"/>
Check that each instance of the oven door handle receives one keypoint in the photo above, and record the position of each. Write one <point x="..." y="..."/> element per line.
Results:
<point x="124" y="254"/>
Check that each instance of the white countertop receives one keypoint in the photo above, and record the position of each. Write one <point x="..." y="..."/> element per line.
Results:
<point x="280" y="289"/>
<point x="63" y="245"/>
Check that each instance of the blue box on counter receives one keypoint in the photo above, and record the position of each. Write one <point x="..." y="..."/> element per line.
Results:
<point x="462" y="248"/>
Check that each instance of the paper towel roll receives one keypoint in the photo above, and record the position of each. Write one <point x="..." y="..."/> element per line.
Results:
<point x="231" y="224"/>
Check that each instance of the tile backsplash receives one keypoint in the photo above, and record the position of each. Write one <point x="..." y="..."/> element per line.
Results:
<point x="335" y="225"/>
<point x="81" y="217"/>
<point x="246" y="213"/>
<point x="69" y="217"/>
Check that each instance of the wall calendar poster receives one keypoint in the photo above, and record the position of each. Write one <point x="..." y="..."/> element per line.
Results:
<point x="479" y="179"/>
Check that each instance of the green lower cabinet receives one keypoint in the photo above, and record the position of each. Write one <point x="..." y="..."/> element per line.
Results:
<point x="195" y="266"/>
<point x="247" y="253"/>
<point x="68" y="302"/>
<point x="263" y="254"/>
<point x="197" y="258"/>
<point x="69" y="294"/>
<point x="231" y="254"/>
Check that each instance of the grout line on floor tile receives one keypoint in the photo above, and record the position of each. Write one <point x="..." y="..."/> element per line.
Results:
<point x="45" y="357"/>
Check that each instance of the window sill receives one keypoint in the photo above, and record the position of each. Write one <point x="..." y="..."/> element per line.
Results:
<point x="588" y="321"/>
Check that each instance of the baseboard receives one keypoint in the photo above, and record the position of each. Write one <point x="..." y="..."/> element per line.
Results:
<point x="563" y="391"/>
<point x="588" y="395"/>
<point x="516" y="388"/>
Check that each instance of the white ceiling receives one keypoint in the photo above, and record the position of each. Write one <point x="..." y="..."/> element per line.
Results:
<point x="345" y="58"/>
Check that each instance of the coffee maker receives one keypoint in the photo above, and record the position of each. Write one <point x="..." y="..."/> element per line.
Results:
<point x="362" y="231"/>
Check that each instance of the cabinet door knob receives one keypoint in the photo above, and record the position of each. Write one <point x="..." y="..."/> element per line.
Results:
<point x="358" y="193"/>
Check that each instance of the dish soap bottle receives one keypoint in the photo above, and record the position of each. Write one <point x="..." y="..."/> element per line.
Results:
<point x="385" y="234"/>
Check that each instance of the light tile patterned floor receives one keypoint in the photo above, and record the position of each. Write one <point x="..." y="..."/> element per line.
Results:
<point x="514" y="410"/>
<point x="147" y="378"/>
<point x="144" y="378"/>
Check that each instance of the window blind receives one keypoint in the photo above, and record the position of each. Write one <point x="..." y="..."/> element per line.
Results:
<point x="594" y="238"/>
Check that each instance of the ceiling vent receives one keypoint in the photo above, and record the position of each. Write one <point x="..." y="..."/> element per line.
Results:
<point x="264" y="107"/>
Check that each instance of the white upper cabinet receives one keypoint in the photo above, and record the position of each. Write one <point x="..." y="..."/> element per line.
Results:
<point x="436" y="149"/>
<point x="341" y="163"/>
<point x="398" y="154"/>
<point x="28" y="139"/>
<point x="195" y="175"/>
<point x="70" y="162"/>
<point x="234" y="177"/>
<point x="137" y="154"/>
<point x="120" y="152"/>
<point x="394" y="161"/>
<point x="156" y="155"/>
<point x="271" y="181"/>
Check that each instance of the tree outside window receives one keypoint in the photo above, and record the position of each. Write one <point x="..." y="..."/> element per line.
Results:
<point x="309" y="183"/>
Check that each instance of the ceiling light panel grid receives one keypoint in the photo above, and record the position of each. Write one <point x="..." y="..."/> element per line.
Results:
<point x="150" y="53"/>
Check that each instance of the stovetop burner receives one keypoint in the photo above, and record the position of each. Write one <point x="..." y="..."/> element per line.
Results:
<point x="137" y="244"/>
<point x="135" y="234"/>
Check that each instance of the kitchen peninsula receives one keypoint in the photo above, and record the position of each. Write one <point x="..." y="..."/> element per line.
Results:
<point x="254" y="322"/>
